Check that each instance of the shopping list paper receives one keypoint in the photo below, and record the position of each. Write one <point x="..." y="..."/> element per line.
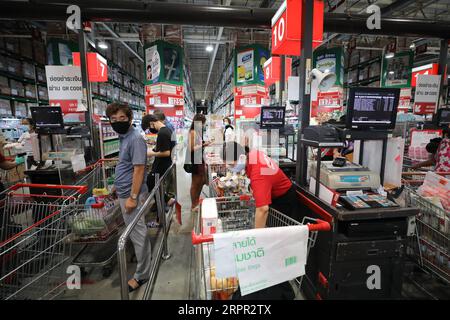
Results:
<point x="262" y="257"/>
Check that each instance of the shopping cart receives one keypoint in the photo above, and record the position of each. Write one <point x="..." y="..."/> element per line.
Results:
<point x="238" y="213"/>
<point x="34" y="250"/>
<point x="96" y="223"/>
<point x="430" y="244"/>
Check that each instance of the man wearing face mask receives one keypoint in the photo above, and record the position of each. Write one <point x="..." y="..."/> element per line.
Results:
<point x="270" y="186"/>
<point x="130" y="187"/>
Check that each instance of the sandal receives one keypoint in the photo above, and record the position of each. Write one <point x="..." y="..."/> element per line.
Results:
<point x="139" y="282"/>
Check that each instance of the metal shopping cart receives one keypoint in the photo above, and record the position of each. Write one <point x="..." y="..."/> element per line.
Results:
<point x="238" y="213"/>
<point x="96" y="223"/>
<point x="430" y="245"/>
<point x="34" y="251"/>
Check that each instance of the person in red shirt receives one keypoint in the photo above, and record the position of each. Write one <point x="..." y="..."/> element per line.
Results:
<point x="270" y="186"/>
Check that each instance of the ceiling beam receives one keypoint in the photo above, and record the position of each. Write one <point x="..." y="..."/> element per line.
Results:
<point x="213" y="58"/>
<point x="115" y="35"/>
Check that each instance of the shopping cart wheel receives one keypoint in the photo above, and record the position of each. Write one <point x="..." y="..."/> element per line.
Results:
<point x="107" y="270"/>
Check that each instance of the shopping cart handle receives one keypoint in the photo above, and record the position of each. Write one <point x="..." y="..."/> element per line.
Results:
<point x="320" y="225"/>
<point x="198" y="239"/>
<point x="81" y="189"/>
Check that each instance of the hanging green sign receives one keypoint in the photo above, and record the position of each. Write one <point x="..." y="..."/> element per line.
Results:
<point x="331" y="60"/>
<point x="249" y="65"/>
<point x="396" y="71"/>
<point x="163" y="63"/>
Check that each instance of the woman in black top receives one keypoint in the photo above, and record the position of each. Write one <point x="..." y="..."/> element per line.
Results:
<point x="196" y="147"/>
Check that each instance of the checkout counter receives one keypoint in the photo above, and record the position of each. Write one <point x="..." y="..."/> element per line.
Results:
<point x="60" y="151"/>
<point x="362" y="257"/>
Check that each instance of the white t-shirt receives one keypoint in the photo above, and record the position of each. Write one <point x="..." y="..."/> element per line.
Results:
<point x="229" y="135"/>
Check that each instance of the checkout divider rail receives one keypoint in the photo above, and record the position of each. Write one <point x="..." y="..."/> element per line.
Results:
<point x="158" y="192"/>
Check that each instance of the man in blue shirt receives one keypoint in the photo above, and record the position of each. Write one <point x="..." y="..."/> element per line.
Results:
<point x="131" y="191"/>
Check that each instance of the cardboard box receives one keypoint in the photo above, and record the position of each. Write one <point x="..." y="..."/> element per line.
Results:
<point x="30" y="91"/>
<point x="17" y="88"/>
<point x="26" y="48"/>
<point x="14" y="66"/>
<point x="3" y="63"/>
<point x="20" y="109"/>
<point x="40" y="75"/>
<point x="4" y="86"/>
<point x="39" y="52"/>
<point x="12" y="45"/>
<point x="28" y="70"/>
<point x="5" y="108"/>
<point x="42" y="93"/>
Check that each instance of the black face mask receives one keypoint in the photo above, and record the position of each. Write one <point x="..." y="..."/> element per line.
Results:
<point x="153" y="130"/>
<point x="121" y="127"/>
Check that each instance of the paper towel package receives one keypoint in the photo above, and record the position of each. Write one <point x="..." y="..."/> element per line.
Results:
<point x="209" y="216"/>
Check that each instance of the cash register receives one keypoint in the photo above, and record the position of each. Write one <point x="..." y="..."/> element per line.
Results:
<point x="49" y="121"/>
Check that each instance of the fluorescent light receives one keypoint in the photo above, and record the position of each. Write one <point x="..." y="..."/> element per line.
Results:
<point x="209" y="48"/>
<point x="389" y="55"/>
<point x="391" y="72"/>
<point x="103" y="45"/>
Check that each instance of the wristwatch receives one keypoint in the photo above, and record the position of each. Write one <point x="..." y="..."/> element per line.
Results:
<point x="134" y="196"/>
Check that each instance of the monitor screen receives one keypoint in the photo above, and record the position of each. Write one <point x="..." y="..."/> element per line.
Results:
<point x="443" y="117"/>
<point x="272" y="117"/>
<point x="372" y="107"/>
<point x="47" y="117"/>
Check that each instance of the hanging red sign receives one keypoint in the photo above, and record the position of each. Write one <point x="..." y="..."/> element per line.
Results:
<point x="272" y="70"/>
<point x="287" y="27"/>
<point x="97" y="66"/>
<point x="428" y="69"/>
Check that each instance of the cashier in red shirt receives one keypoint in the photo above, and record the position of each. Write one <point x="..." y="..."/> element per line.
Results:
<point x="270" y="186"/>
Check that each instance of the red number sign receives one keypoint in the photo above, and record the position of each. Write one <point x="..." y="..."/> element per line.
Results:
<point x="287" y="27"/>
<point x="272" y="70"/>
<point x="429" y="69"/>
<point x="97" y="66"/>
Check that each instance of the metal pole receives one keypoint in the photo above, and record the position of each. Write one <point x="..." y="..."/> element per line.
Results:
<point x="282" y="79"/>
<point x="87" y="94"/>
<point x="122" y="257"/>
<point x="443" y="56"/>
<point x="304" y="93"/>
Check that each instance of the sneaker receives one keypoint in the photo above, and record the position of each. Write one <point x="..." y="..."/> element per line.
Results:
<point x="153" y="224"/>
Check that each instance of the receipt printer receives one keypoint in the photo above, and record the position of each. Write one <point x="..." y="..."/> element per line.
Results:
<point x="323" y="133"/>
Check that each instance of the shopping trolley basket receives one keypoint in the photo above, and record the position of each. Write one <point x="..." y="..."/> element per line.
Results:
<point x="33" y="251"/>
<point x="98" y="219"/>
<point x="233" y="218"/>
<point x="430" y="245"/>
<point x="101" y="216"/>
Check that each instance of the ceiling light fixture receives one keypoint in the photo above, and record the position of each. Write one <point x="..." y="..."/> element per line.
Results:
<point x="209" y="48"/>
<point x="389" y="55"/>
<point x="103" y="45"/>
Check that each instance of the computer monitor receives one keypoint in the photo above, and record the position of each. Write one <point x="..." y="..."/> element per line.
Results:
<point x="272" y="117"/>
<point x="443" y="117"/>
<point x="47" y="117"/>
<point x="372" y="108"/>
